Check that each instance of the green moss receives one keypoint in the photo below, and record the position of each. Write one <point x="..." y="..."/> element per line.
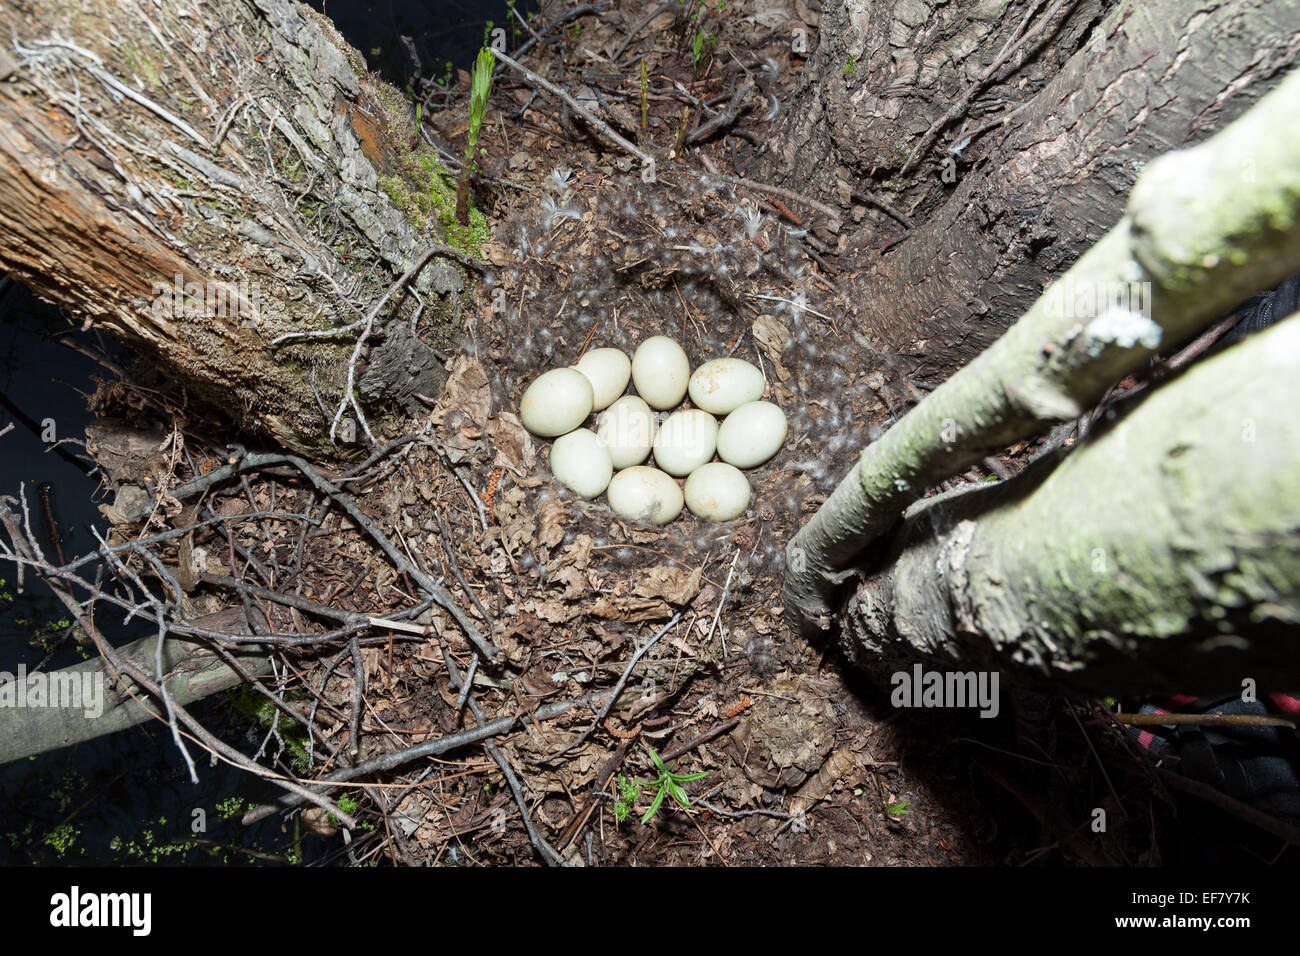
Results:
<point x="256" y="707"/>
<point x="144" y="67"/>
<point x="434" y="201"/>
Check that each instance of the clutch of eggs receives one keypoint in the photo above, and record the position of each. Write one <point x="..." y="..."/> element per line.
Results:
<point x="729" y="420"/>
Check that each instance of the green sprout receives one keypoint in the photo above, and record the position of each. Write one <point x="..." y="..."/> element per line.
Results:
<point x="515" y="32"/>
<point x="668" y="782"/>
<point x="645" y="98"/>
<point x="480" y="89"/>
<point x="703" y="44"/>
<point x="898" y="809"/>
<point x="850" y="67"/>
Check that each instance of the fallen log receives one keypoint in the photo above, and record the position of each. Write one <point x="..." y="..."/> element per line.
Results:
<point x="40" y="712"/>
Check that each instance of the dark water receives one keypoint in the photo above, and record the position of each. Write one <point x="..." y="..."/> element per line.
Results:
<point x="127" y="798"/>
<point x="120" y="799"/>
<point x="442" y="32"/>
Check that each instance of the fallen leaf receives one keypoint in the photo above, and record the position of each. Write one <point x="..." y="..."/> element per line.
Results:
<point x="772" y="338"/>
<point x="514" y="446"/>
<point x="467" y="391"/>
<point x="551" y="519"/>
<point x="673" y="583"/>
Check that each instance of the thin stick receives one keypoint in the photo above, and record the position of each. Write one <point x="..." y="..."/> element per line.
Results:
<point x="718" y="613"/>
<point x="1204" y="720"/>
<point x="863" y="195"/>
<point x="674" y="752"/>
<point x="790" y="194"/>
<point x="724" y="119"/>
<point x="563" y="19"/>
<point x="467" y="683"/>
<point x="791" y="302"/>
<point x="547" y="851"/>
<point x="596" y="122"/>
<point x="436" y="591"/>
<point x="618" y="688"/>
<point x="639" y="26"/>
<point x="1041" y="32"/>
<point x="430" y="748"/>
<point x="1227" y="804"/>
<point x="119" y="665"/>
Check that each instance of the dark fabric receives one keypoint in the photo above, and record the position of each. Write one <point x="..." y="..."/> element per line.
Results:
<point x="1257" y="765"/>
<point x="1266" y="308"/>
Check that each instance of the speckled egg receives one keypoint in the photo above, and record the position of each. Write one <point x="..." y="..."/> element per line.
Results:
<point x="717" y="491"/>
<point x="723" y="385"/>
<point x="608" y="370"/>
<point x="628" y="430"/>
<point x="686" y="440"/>
<point x="580" y="462"/>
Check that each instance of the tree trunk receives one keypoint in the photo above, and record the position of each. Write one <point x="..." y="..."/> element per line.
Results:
<point x="1162" y="554"/>
<point x="1102" y="89"/>
<point x="200" y="184"/>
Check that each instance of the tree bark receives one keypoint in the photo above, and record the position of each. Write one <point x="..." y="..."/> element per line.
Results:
<point x="200" y="184"/>
<point x="1198" y="237"/>
<point x="1162" y="554"/>
<point x="1111" y="86"/>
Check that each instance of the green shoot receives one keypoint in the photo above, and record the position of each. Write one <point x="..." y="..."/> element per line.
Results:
<point x="645" y="99"/>
<point x="897" y="809"/>
<point x="480" y="89"/>
<point x="515" y="32"/>
<point x="703" y="44"/>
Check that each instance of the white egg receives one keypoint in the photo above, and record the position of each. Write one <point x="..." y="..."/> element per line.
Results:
<point x="717" y="491"/>
<point x="660" y="372"/>
<point x="608" y="370"/>
<point x="685" y="441"/>
<point x="751" y="434"/>
<point x="645" y="494"/>
<point x="628" y="430"/>
<point x="557" y="402"/>
<point x="723" y="385"/>
<point x="580" y="462"/>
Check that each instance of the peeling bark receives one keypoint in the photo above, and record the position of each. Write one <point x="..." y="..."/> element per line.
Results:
<point x="243" y="157"/>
